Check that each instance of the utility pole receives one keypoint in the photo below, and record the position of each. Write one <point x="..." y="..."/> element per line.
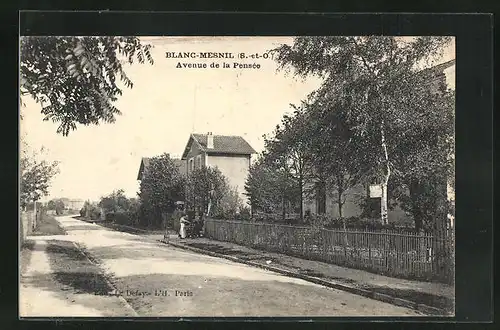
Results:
<point x="194" y="108"/>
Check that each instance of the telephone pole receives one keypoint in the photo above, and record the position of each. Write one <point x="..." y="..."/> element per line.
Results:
<point x="194" y="108"/>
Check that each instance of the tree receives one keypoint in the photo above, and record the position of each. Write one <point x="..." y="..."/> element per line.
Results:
<point x="161" y="186"/>
<point x="205" y="185"/>
<point x="56" y="205"/>
<point x="283" y="164"/>
<point x="334" y="150"/>
<point x="263" y="187"/>
<point x="115" y="202"/>
<point x="230" y="204"/>
<point x="290" y="149"/>
<point x="119" y="208"/>
<point x="51" y="205"/>
<point x="374" y="83"/>
<point x="60" y="207"/>
<point x="75" y="78"/>
<point x="36" y="176"/>
<point x="90" y="210"/>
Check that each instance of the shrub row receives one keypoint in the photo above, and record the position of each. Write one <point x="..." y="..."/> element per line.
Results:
<point x="324" y="221"/>
<point x="94" y="212"/>
<point x="363" y="223"/>
<point x="122" y="217"/>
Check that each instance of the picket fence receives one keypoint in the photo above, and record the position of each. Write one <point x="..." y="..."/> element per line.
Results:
<point x="389" y="252"/>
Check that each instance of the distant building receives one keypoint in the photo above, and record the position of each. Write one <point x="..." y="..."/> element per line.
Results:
<point x="230" y="154"/>
<point x="74" y="204"/>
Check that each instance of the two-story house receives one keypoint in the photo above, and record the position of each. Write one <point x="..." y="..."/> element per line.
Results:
<point x="230" y="154"/>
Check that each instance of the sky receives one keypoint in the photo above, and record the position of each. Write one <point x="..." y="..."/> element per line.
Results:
<point x="164" y="106"/>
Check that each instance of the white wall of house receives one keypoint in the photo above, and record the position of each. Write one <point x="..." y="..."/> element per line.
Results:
<point x="349" y="209"/>
<point x="234" y="168"/>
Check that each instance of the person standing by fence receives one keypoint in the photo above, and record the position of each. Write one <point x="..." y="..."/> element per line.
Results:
<point x="183" y="222"/>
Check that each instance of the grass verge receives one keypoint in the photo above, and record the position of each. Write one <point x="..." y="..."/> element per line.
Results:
<point x="47" y="225"/>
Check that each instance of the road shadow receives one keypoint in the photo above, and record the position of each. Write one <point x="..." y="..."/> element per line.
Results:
<point x="82" y="227"/>
<point x="131" y="230"/>
<point x="74" y="280"/>
<point x="129" y="251"/>
<point x="73" y="269"/>
<point x="30" y="245"/>
<point x="84" y="282"/>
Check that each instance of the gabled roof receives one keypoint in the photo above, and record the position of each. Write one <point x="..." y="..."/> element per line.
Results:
<point x="437" y="69"/>
<point x="223" y="144"/>
<point x="181" y="165"/>
<point x="143" y="166"/>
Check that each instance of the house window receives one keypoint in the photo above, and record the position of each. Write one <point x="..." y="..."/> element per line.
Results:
<point x="320" y="198"/>
<point x="191" y="164"/>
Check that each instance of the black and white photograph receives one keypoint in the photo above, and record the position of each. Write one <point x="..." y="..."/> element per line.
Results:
<point x="237" y="176"/>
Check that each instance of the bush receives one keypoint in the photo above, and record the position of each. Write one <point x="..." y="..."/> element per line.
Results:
<point x="244" y="213"/>
<point x="229" y="206"/>
<point x="123" y="218"/>
<point x="267" y="217"/>
<point x="353" y="223"/>
<point x="127" y="218"/>
<point x="94" y="212"/>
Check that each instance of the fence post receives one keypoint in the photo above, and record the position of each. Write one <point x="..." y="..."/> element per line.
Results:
<point x="345" y="240"/>
<point x="386" y="248"/>
<point x="370" y="239"/>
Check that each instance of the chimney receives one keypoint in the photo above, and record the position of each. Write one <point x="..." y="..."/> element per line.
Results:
<point x="210" y="140"/>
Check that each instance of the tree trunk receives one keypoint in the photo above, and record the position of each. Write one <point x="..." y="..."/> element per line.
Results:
<point x="340" y="193"/>
<point x="34" y="214"/>
<point x="301" y="188"/>
<point x="415" y="207"/>
<point x="340" y="205"/>
<point x="439" y="255"/>
<point x="283" y="207"/>
<point x="385" y="182"/>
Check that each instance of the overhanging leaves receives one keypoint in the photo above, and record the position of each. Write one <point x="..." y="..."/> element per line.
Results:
<point x="75" y="78"/>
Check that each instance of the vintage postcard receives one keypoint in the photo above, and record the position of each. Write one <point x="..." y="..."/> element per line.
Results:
<point x="237" y="176"/>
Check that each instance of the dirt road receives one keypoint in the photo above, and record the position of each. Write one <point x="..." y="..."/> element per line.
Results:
<point x="157" y="280"/>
